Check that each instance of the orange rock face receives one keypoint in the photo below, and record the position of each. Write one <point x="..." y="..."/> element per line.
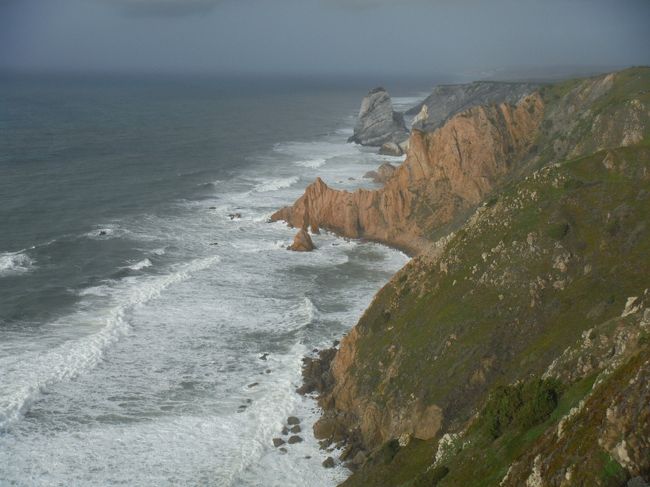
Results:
<point x="446" y="172"/>
<point x="302" y="242"/>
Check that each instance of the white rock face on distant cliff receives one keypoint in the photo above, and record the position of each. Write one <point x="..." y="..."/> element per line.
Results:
<point x="378" y="123"/>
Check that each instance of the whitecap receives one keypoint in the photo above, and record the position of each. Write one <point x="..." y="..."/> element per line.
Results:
<point x="275" y="184"/>
<point x="12" y="263"/>
<point x="140" y="265"/>
<point x="312" y="163"/>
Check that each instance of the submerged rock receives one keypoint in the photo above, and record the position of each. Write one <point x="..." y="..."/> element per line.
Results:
<point x="328" y="462"/>
<point x="302" y="242"/>
<point x="295" y="439"/>
<point x="278" y="442"/>
<point x="377" y="122"/>
<point x="292" y="420"/>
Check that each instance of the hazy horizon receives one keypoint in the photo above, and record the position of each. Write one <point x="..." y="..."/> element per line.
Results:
<point x="361" y="38"/>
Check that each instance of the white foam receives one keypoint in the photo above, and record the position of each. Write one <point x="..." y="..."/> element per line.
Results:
<point x="141" y="265"/>
<point x="108" y="231"/>
<point x="24" y="377"/>
<point x="275" y="184"/>
<point x="312" y="163"/>
<point x="316" y="150"/>
<point x="12" y="263"/>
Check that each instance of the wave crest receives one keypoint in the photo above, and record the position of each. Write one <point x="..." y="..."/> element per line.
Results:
<point x="12" y="263"/>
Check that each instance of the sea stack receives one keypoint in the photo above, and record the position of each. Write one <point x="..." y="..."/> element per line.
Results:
<point x="378" y="123"/>
<point x="302" y="242"/>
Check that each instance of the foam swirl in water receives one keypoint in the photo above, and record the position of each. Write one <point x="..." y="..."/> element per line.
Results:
<point x="14" y="263"/>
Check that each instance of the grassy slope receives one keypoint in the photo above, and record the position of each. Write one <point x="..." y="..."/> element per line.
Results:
<point x="550" y="256"/>
<point x="462" y="334"/>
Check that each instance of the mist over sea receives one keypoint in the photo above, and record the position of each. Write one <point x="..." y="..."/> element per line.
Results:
<point x="141" y="285"/>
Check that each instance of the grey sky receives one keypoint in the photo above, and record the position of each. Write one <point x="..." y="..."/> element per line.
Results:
<point x="414" y="37"/>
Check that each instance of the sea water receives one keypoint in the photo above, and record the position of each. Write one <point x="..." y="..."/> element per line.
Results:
<point x="152" y="322"/>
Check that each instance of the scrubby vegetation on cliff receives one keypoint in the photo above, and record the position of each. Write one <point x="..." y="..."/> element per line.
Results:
<point x="516" y="350"/>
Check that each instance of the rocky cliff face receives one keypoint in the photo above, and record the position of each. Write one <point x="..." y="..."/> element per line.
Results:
<point x="514" y="351"/>
<point x="378" y="123"/>
<point x="446" y="172"/>
<point x="445" y="101"/>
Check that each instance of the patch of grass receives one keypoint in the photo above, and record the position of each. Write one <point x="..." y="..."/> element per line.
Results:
<point x="432" y="477"/>
<point x="611" y="468"/>
<point x="403" y="468"/>
<point x="557" y="231"/>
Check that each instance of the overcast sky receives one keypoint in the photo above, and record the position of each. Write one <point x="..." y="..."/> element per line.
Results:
<point x="418" y="37"/>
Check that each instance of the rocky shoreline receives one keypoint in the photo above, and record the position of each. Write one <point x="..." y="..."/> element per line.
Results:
<point x="333" y="430"/>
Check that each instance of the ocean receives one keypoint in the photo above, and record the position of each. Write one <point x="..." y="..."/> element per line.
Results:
<point x="152" y="322"/>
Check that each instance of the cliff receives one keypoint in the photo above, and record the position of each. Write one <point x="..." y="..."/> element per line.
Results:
<point x="377" y="122"/>
<point x="515" y="350"/>
<point x="446" y="173"/>
<point x="445" y="101"/>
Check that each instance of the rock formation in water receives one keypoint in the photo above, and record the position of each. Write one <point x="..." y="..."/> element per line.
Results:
<point x="302" y="242"/>
<point x="377" y="123"/>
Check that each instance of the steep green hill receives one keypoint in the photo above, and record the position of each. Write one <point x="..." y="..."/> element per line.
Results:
<point x="534" y="313"/>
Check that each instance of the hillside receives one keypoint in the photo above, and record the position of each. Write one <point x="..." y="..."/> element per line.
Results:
<point x="515" y="349"/>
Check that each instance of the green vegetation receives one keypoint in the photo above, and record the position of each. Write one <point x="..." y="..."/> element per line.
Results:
<point x="431" y="478"/>
<point x="521" y="405"/>
<point x="557" y="231"/>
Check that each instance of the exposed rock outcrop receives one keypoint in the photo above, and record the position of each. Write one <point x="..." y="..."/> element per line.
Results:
<point x="302" y="242"/>
<point x="445" y="101"/>
<point x="391" y="149"/>
<point x="446" y="172"/>
<point x="378" y="123"/>
<point x="382" y="174"/>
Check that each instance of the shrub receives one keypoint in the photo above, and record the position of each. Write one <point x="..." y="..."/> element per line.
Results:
<point x="520" y="406"/>
<point x="492" y="201"/>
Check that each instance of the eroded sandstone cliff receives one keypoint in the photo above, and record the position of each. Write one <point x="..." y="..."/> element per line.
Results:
<point x="446" y="172"/>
